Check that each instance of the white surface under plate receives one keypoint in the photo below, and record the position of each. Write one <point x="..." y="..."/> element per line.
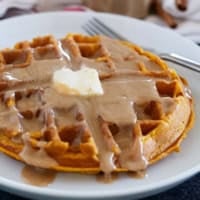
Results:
<point x="163" y="175"/>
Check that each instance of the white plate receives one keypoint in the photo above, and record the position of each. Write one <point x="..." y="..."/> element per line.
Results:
<point x="161" y="176"/>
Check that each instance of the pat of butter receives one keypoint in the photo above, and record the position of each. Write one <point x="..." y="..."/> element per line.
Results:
<point x="84" y="82"/>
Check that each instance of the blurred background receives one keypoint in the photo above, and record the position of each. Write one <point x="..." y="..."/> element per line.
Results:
<point x="181" y="15"/>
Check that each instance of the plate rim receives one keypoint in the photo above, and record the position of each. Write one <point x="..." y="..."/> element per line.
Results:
<point x="53" y="193"/>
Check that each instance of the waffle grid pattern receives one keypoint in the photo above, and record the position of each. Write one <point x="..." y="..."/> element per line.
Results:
<point x="24" y="101"/>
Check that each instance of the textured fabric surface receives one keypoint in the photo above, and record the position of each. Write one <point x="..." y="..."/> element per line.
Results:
<point x="190" y="190"/>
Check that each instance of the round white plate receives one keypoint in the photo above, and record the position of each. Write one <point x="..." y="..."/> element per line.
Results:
<point x="161" y="176"/>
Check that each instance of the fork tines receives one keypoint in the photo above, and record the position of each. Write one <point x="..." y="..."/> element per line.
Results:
<point x="96" y="27"/>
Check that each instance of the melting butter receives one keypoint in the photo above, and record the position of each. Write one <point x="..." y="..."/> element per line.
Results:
<point x="84" y="82"/>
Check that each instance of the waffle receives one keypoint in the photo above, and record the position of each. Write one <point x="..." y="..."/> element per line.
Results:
<point x="143" y="116"/>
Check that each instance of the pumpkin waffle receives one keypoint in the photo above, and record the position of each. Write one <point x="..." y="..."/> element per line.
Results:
<point x="144" y="114"/>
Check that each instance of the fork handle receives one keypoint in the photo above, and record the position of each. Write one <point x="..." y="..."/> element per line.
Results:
<point x="186" y="62"/>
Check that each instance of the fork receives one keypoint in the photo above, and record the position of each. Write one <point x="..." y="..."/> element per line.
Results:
<point x="96" y="27"/>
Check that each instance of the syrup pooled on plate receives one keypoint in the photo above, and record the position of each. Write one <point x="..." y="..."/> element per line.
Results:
<point x="37" y="177"/>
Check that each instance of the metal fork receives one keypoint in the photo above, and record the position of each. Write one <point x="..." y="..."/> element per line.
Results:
<point x="96" y="27"/>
